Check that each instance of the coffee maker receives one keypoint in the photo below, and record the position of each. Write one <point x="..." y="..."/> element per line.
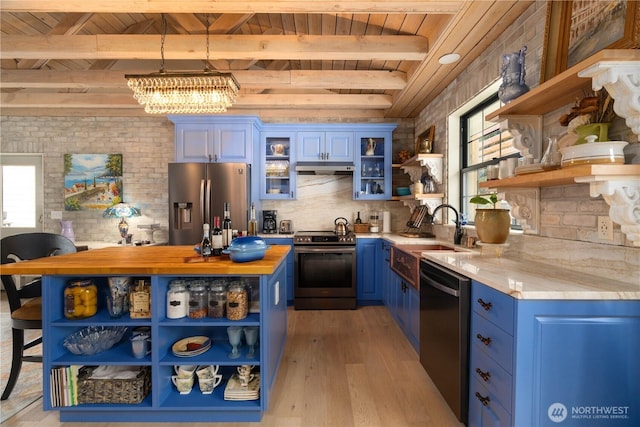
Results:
<point x="269" y="221"/>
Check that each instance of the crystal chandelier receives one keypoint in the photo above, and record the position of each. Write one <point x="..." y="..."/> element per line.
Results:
<point x="188" y="92"/>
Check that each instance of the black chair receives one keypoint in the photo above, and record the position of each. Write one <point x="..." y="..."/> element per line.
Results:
<point x="27" y="314"/>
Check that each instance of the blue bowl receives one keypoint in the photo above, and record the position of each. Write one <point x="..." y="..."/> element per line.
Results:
<point x="403" y="191"/>
<point x="246" y="249"/>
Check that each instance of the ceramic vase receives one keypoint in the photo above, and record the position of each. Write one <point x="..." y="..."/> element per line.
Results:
<point x="67" y="230"/>
<point x="513" y="74"/>
<point x="493" y="225"/>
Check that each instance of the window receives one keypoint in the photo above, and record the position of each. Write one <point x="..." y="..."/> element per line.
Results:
<point x="21" y="193"/>
<point x="483" y="144"/>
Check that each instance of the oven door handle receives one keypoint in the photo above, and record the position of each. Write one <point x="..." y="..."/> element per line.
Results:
<point x="324" y="249"/>
<point x="429" y="281"/>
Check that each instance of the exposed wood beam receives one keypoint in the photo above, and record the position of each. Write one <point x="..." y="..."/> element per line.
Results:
<point x="124" y="100"/>
<point x="70" y="24"/>
<point x="266" y="114"/>
<point x="307" y="79"/>
<point x="234" y="6"/>
<point x="248" y="47"/>
<point x="140" y="27"/>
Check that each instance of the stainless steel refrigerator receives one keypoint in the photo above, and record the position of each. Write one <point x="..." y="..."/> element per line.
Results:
<point x="197" y="193"/>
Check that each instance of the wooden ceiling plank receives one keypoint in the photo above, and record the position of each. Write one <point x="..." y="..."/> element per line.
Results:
<point x="234" y="6"/>
<point x="229" y="23"/>
<point x="429" y="74"/>
<point x="110" y="46"/>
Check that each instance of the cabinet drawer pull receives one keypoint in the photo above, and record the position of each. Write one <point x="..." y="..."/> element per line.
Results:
<point x="485" y="341"/>
<point x="486" y="305"/>
<point x="485" y="375"/>
<point x="485" y="400"/>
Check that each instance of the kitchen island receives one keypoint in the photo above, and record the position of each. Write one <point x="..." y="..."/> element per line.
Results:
<point x="159" y="265"/>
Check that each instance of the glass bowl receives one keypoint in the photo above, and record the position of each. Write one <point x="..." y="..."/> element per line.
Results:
<point x="94" y="339"/>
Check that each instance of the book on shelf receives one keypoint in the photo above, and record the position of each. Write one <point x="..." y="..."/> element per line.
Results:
<point x="63" y="385"/>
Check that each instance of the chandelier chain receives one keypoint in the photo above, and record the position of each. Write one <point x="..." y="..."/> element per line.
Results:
<point x="162" y="38"/>
<point x="207" y="25"/>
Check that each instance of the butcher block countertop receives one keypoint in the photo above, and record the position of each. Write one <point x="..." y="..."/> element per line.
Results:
<point x="152" y="260"/>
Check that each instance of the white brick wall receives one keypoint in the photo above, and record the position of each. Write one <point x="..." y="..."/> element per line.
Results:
<point x="146" y="145"/>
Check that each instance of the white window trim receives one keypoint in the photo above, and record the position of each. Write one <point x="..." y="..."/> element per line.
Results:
<point x="453" y="154"/>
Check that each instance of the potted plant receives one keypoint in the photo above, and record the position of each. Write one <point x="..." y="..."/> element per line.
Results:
<point x="492" y="224"/>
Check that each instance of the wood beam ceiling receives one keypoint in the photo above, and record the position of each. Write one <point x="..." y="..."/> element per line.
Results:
<point x="247" y="47"/>
<point x="234" y="6"/>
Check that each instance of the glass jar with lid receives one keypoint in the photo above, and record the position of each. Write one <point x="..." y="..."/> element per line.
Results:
<point x="80" y="299"/>
<point x="197" y="300"/>
<point x="177" y="299"/>
<point x="217" y="298"/>
<point x="237" y="301"/>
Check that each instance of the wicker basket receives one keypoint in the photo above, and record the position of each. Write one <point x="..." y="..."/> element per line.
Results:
<point x="132" y="390"/>
<point x="361" y="228"/>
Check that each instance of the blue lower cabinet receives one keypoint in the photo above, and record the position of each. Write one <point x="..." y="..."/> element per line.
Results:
<point x="289" y="262"/>
<point x="568" y="363"/>
<point x="368" y="270"/>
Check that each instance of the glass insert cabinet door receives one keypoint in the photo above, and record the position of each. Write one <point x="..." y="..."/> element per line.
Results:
<point x="278" y="178"/>
<point x="372" y="177"/>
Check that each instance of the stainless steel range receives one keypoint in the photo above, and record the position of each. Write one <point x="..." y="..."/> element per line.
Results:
<point x="325" y="270"/>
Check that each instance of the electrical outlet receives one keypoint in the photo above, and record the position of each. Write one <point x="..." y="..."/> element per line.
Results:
<point x="605" y="228"/>
<point x="56" y="214"/>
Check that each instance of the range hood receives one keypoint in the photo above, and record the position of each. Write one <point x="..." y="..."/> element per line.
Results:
<point x="325" y="168"/>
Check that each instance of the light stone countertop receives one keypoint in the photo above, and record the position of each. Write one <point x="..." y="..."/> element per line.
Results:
<point x="519" y="279"/>
<point x="524" y="279"/>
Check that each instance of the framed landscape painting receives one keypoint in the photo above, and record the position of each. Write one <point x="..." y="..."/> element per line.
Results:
<point x="92" y="181"/>
<point x="575" y="30"/>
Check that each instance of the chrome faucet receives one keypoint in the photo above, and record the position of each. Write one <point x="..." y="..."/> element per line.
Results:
<point x="457" y="235"/>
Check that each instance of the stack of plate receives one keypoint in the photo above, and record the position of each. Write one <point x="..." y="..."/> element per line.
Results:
<point x="235" y="391"/>
<point x="200" y="344"/>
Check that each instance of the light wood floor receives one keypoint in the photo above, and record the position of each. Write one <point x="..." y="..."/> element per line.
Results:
<point x="339" y="368"/>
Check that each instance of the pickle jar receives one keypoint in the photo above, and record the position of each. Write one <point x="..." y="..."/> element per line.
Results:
<point x="80" y="299"/>
<point x="237" y="301"/>
<point x="197" y="300"/>
<point x="217" y="299"/>
<point x="177" y="300"/>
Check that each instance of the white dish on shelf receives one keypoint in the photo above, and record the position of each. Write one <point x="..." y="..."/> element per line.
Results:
<point x="180" y="349"/>
<point x="605" y="152"/>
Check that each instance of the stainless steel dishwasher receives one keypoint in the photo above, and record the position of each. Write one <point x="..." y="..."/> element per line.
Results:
<point x="444" y="333"/>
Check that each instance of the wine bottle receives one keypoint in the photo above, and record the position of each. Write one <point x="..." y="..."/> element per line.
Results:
<point x="205" y="245"/>
<point x="227" y="231"/>
<point x="253" y="223"/>
<point x="216" y="237"/>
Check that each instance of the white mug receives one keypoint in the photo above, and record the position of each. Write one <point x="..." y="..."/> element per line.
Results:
<point x="184" y="385"/>
<point x="185" y="371"/>
<point x="207" y="385"/>
<point x="208" y="371"/>
<point x="140" y="346"/>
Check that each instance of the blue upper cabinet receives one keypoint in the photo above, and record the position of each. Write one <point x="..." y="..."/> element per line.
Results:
<point x="372" y="176"/>
<point x="278" y="178"/>
<point x="313" y="146"/>
<point x="215" y="139"/>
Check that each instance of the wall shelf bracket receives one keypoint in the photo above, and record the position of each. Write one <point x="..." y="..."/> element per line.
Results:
<point x="622" y="81"/>
<point x="525" y="207"/>
<point x="527" y="133"/>
<point x="623" y="198"/>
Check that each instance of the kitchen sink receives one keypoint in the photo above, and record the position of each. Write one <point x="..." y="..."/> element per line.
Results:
<point x="430" y="247"/>
<point x="405" y="259"/>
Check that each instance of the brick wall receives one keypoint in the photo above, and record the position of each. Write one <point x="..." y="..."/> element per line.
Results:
<point x="146" y="145"/>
